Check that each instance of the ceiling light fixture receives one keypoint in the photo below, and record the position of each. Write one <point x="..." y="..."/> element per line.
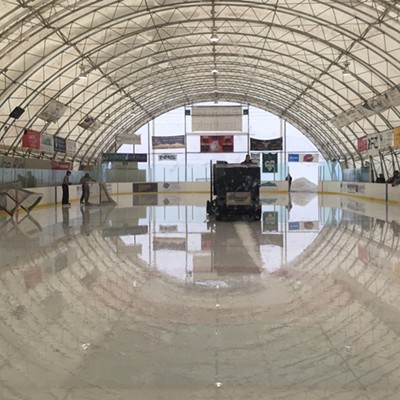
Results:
<point x="214" y="71"/>
<point x="83" y="74"/>
<point x="346" y="71"/>
<point x="214" y="38"/>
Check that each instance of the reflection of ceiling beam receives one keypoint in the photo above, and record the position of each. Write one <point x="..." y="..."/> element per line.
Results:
<point x="384" y="312"/>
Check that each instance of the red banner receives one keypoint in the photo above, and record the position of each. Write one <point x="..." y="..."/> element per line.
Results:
<point x="31" y="139"/>
<point x="362" y="144"/>
<point x="64" y="165"/>
<point x="216" y="144"/>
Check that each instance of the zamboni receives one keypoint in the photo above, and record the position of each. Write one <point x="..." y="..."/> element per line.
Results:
<point x="234" y="191"/>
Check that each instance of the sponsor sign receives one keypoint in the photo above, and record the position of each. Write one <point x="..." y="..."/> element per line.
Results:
<point x="270" y="144"/>
<point x="216" y="144"/>
<point x="53" y="111"/>
<point x="71" y="146"/>
<point x="293" y="157"/>
<point x="47" y="143"/>
<point x="309" y="157"/>
<point x="124" y="157"/>
<point x="128" y="139"/>
<point x="270" y="163"/>
<point x="64" y="165"/>
<point x="362" y="144"/>
<point x="60" y="144"/>
<point x="377" y="142"/>
<point x="217" y="119"/>
<point x="90" y="123"/>
<point x="167" y="157"/>
<point x="31" y="139"/>
<point x="144" y="187"/>
<point x="168" y="142"/>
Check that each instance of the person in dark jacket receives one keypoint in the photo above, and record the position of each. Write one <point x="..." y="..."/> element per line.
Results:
<point x="289" y="179"/>
<point x="65" y="189"/>
<point x="86" y="188"/>
<point x="380" y="178"/>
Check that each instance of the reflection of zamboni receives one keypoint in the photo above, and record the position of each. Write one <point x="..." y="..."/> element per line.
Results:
<point x="236" y="188"/>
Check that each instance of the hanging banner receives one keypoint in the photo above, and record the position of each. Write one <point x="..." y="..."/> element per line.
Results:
<point x="60" y="144"/>
<point x="128" y="139"/>
<point x="53" y="111"/>
<point x="47" y="143"/>
<point x="167" y="157"/>
<point x="362" y="144"/>
<point x="71" y="146"/>
<point x="217" y="119"/>
<point x="270" y="163"/>
<point x="168" y="142"/>
<point x="271" y="144"/>
<point x="216" y="144"/>
<point x="90" y="123"/>
<point x="309" y="157"/>
<point x="124" y="157"/>
<point x="377" y="142"/>
<point x="60" y="165"/>
<point x="31" y="139"/>
<point x="293" y="157"/>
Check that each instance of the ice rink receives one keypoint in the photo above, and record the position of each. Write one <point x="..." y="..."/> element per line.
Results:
<point x="151" y="300"/>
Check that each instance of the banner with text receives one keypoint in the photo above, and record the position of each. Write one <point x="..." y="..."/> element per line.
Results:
<point x="217" y="119"/>
<point x="376" y="142"/>
<point x="47" y="143"/>
<point x="306" y="157"/>
<point x="270" y="144"/>
<point x="168" y="142"/>
<point x="124" y="157"/>
<point x="270" y="163"/>
<point x="216" y="144"/>
<point x="53" y="111"/>
<point x="31" y="139"/>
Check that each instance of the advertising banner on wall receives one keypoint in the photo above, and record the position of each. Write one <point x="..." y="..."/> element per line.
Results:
<point x="71" y="146"/>
<point x="362" y="144"/>
<point x="217" y="119"/>
<point x="168" y="142"/>
<point x="270" y="144"/>
<point x="306" y="157"/>
<point x="124" y="157"/>
<point x="128" y="139"/>
<point x="270" y="162"/>
<point x="216" y="144"/>
<point x="376" y="142"/>
<point x="47" y="143"/>
<point x="60" y="165"/>
<point x="31" y="139"/>
<point x="167" y="157"/>
<point x="90" y="123"/>
<point x="60" y="144"/>
<point x="53" y="111"/>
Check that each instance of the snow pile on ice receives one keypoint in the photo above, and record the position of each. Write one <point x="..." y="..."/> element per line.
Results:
<point x="303" y="185"/>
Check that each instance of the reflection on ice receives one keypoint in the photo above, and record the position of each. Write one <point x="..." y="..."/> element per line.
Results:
<point x="156" y="302"/>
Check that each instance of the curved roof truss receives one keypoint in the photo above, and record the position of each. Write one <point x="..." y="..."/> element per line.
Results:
<point x="144" y="58"/>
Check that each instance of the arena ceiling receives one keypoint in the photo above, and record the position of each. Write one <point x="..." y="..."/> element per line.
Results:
<point x="144" y="58"/>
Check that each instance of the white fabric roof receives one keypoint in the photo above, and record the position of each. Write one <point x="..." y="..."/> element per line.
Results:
<point x="144" y="58"/>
